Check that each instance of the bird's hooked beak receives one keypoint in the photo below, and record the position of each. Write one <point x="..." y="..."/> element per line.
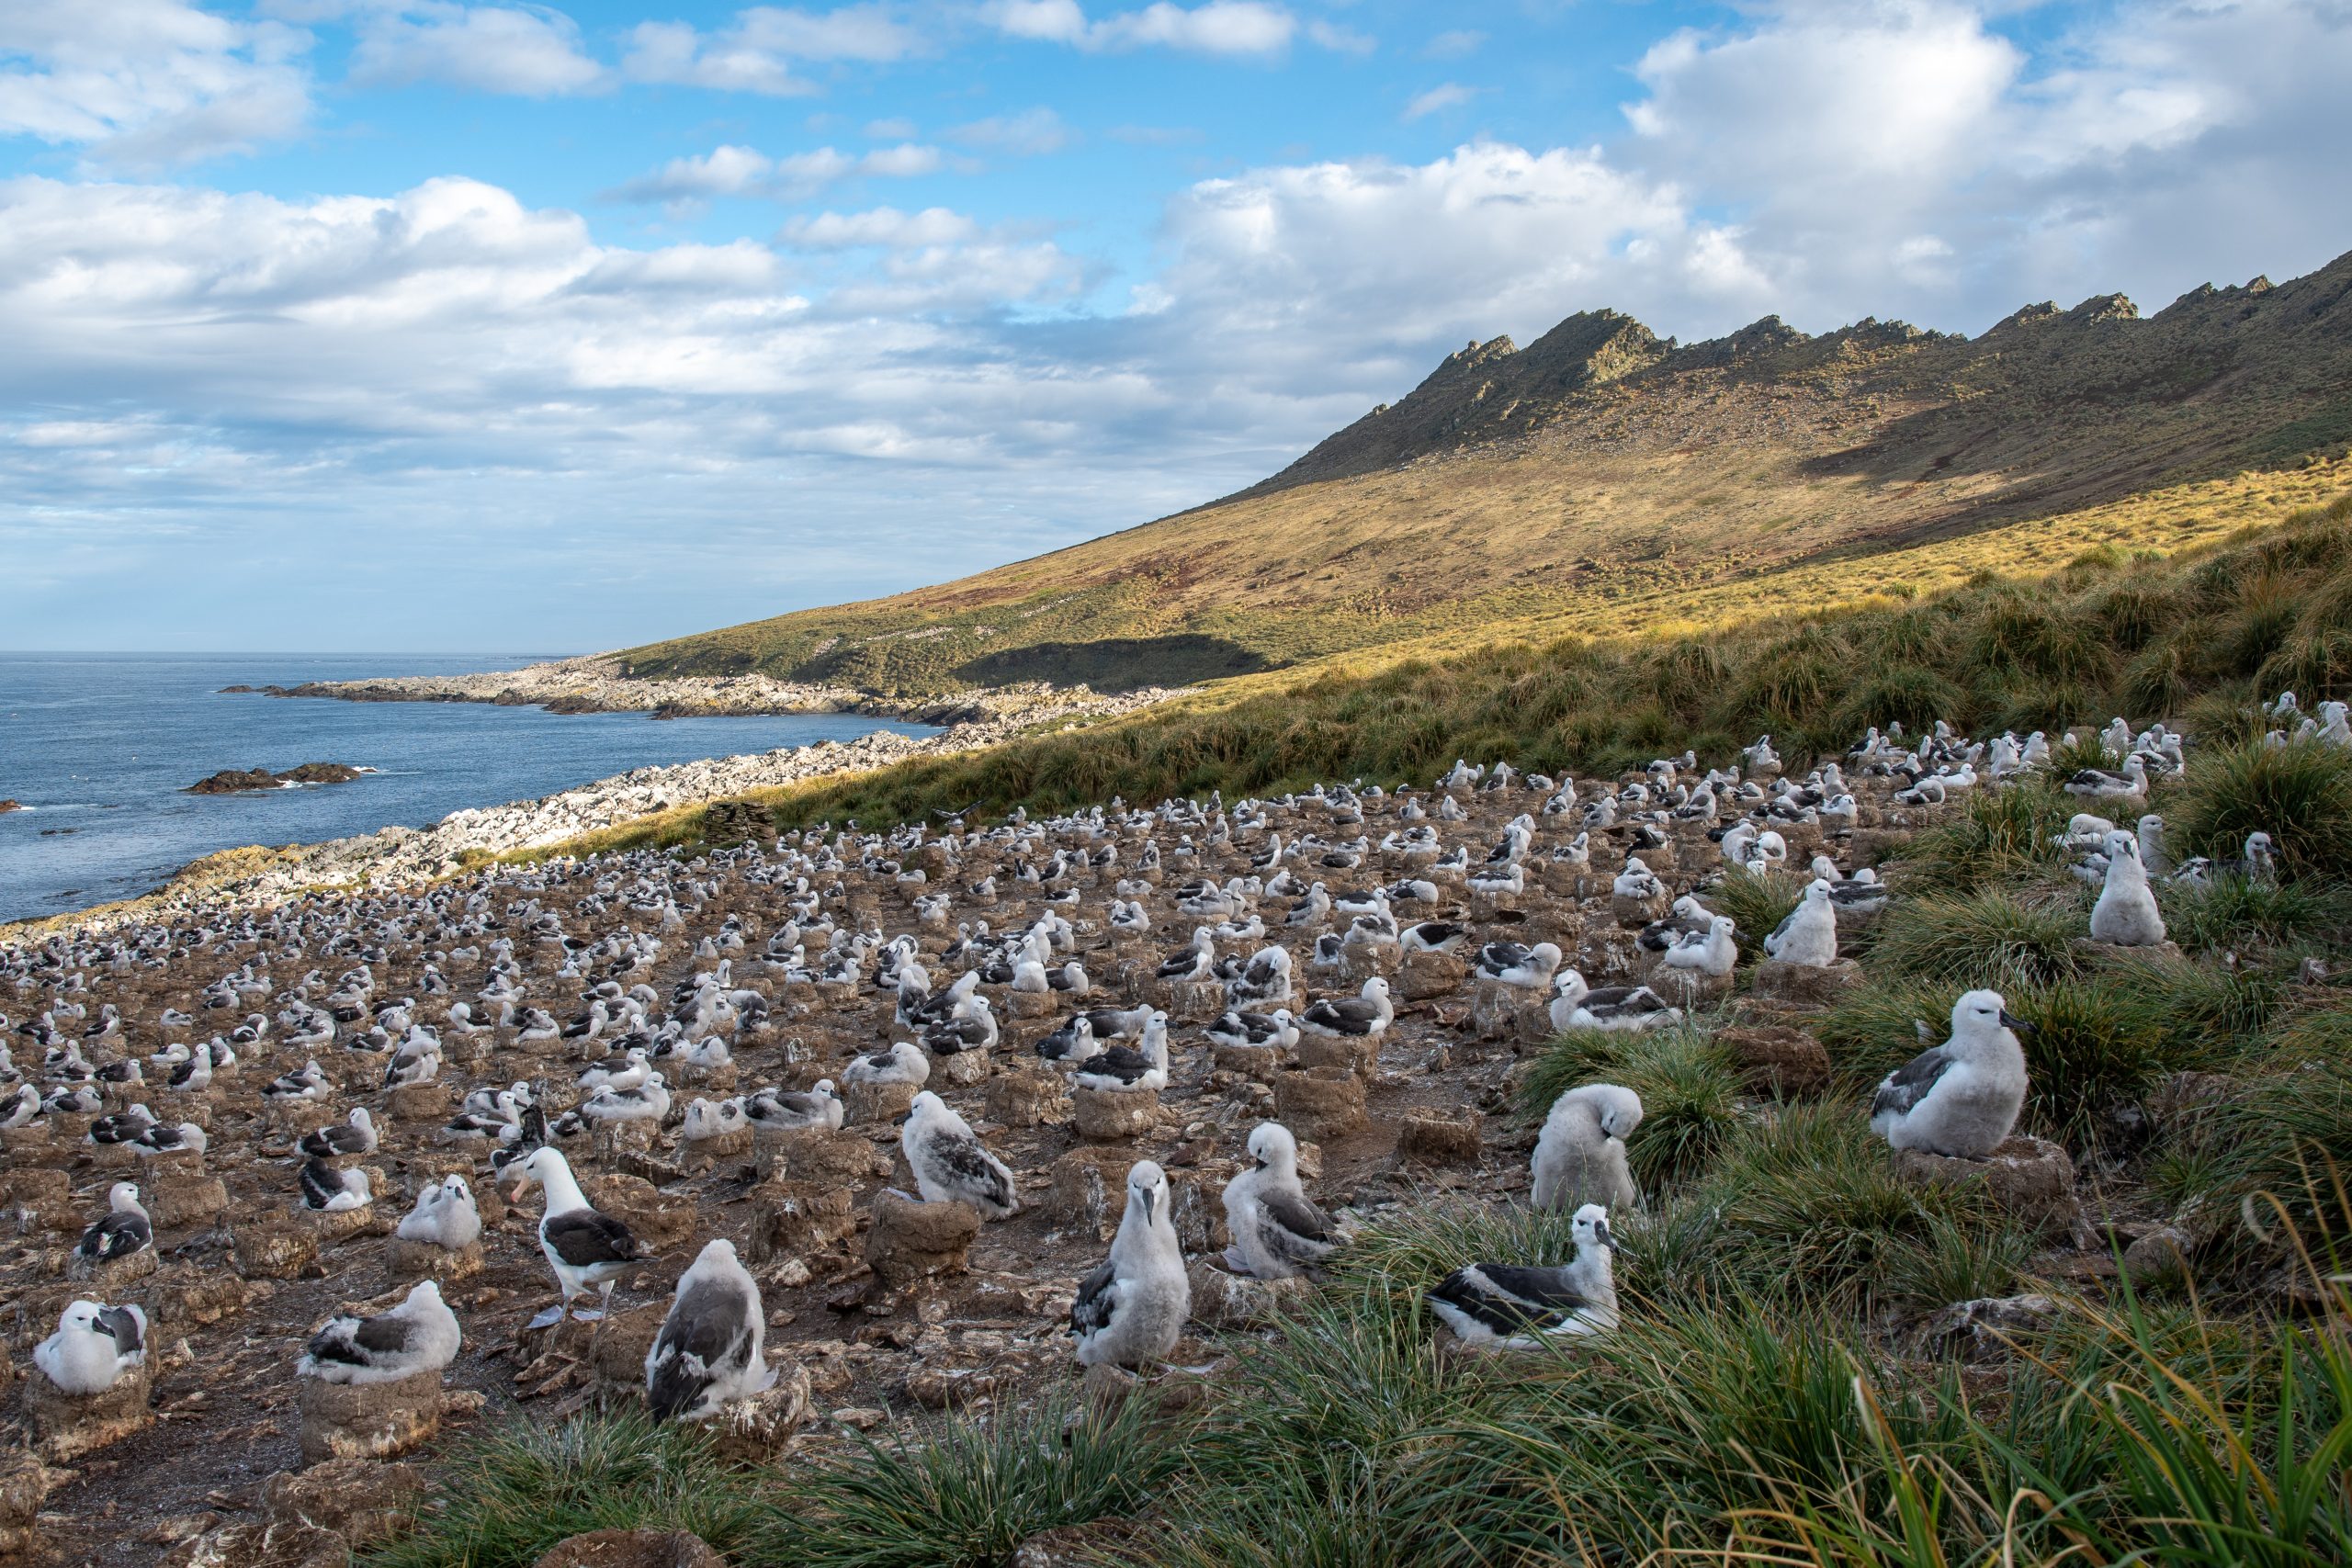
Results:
<point x="2018" y="1024"/>
<point x="1150" y="1197"/>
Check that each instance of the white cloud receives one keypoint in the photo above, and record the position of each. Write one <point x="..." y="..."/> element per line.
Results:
<point x="1218" y="27"/>
<point x="757" y="53"/>
<point x="1029" y="133"/>
<point x="529" y="51"/>
<point x="899" y="129"/>
<point x="1445" y="95"/>
<point x="883" y="226"/>
<point x="147" y="83"/>
<point x="1454" y="44"/>
<point x="732" y="169"/>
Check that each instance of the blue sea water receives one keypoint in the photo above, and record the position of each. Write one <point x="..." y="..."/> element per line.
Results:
<point x="102" y="748"/>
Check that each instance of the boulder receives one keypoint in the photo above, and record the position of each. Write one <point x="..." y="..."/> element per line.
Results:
<point x="1026" y="1098"/>
<point x="814" y="1154"/>
<point x="1805" y="984"/>
<point x="909" y="1241"/>
<point x="2028" y="1177"/>
<point x="64" y="1426"/>
<point x="370" y="1420"/>
<point x="1195" y="1001"/>
<point x="1424" y="976"/>
<point x="1431" y="1139"/>
<point x="632" y="1548"/>
<point x="1319" y="1104"/>
<point x="794" y="1219"/>
<point x="2159" y="1257"/>
<point x="876" y="1104"/>
<point x="1104" y="1116"/>
<point x="361" y="1500"/>
<point x="1777" y="1059"/>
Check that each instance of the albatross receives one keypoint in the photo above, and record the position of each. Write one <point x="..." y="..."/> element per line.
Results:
<point x="1133" y="1307"/>
<point x="585" y="1248"/>
<point x="709" y="1349"/>
<point x="1960" y="1098"/>
<point x="418" y="1336"/>
<point x="1509" y="1306"/>
<point x="1277" y="1232"/>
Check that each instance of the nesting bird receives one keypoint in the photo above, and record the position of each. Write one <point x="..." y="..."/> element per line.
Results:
<point x="708" y="1350"/>
<point x="1960" y="1098"/>
<point x="1132" y="1309"/>
<point x="1509" y="1306"/>
<point x="2126" y="913"/>
<point x="94" y="1345"/>
<point x="951" y="1165"/>
<point x="1808" y="936"/>
<point x="125" y="1229"/>
<point x="1580" y="1155"/>
<point x="418" y="1336"/>
<point x="1277" y="1231"/>
<point x="446" y="1216"/>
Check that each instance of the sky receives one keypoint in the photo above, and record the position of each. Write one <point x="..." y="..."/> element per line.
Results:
<point x="427" y="325"/>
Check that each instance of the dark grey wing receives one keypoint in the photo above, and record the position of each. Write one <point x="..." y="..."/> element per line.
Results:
<point x="711" y="1323"/>
<point x="1783" y="928"/>
<point x="117" y="1236"/>
<point x="385" y="1336"/>
<point x="1295" y="1215"/>
<point x="122" y="1324"/>
<point x="969" y="1163"/>
<point x="1091" y="1310"/>
<point x="1910" y="1083"/>
<point x="584" y="1238"/>
<point x="1510" y="1299"/>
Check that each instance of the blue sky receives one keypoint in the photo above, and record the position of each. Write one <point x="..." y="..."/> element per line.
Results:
<point x="424" y="324"/>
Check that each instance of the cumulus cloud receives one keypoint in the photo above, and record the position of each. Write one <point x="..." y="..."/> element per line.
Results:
<point x="884" y="226"/>
<point x="731" y="170"/>
<point x="529" y="51"/>
<point x="1029" y="133"/>
<point x="1445" y="95"/>
<point x="1218" y="27"/>
<point x="756" y="53"/>
<point x="147" y="83"/>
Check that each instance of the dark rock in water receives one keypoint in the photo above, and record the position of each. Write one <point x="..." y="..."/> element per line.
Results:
<point x="226" y="691"/>
<point x="234" y="780"/>
<point x="240" y="781"/>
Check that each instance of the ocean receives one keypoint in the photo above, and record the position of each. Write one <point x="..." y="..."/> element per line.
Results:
<point x="101" y="747"/>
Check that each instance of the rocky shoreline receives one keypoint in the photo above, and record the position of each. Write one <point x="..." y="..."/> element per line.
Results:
<point x="405" y="857"/>
<point x="594" y="683"/>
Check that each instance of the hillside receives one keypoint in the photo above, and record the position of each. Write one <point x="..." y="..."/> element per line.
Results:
<point x="1603" y="478"/>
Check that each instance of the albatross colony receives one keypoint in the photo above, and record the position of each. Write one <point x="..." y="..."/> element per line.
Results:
<point x="496" y="1080"/>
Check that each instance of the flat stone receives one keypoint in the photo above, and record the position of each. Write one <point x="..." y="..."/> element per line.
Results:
<point x="632" y="1548"/>
<point x="2029" y="1177"/>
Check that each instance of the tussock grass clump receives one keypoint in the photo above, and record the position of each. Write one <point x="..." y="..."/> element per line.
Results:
<point x="1999" y="835"/>
<point x="2102" y="1041"/>
<point x="1757" y="906"/>
<point x="968" y="1493"/>
<point x="2299" y="793"/>
<point x="1996" y="939"/>
<point x="509" y="1495"/>
<point x="2232" y="913"/>
<point x="1689" y="1087"/>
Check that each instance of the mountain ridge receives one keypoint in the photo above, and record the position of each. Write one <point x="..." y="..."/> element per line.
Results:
<point x="1601" y="460"/>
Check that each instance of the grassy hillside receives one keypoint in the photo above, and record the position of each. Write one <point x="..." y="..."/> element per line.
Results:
<point x="1603" y="479"/>
<point x="2193" y="637"/>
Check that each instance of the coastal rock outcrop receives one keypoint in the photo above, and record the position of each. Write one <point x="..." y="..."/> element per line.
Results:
<point x="244" y="780"/>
